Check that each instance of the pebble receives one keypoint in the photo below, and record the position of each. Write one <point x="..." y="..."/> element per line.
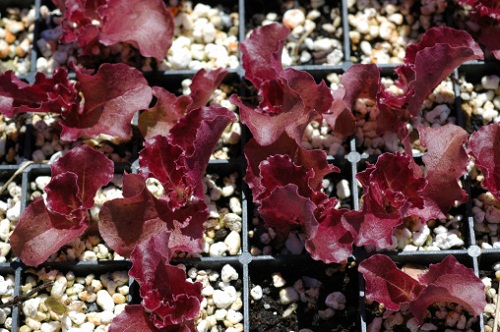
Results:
<point x="293" y="18"/>
<point x="388" y="27"/>
<point x="256" y="292"/>
<point x="278" y="280"/>
<point x="228" y="273"/>
<point x="59" y="287"/>
<point x="218" y="249"/>
<point x="288" y="295"/>
<point x="336" y="301"/>
<point x="222" y="299"/>
<point x="343" y="189"/>
<point x="294" y="244"/>
<point x="105" y="301"/>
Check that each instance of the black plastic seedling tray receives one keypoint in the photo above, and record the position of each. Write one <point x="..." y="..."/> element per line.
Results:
<point x="257" y="269"/>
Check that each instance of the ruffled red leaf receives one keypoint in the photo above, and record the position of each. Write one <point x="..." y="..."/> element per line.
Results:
<point x="171" y="299"/>
<point x="197" y="133"/>
<point x="112" y="96"/>
<point x="167" y="163"/>
<point x="392" y="183"/>
<point x="360" y="81"/>
<point x="281" y="110"/>
<point x="290" y="99"/>
<point x="261" y="53"/>
<point x="488" y="36"/>
<point x="445" y="161"/>
<point x="373" y="225"/>
<point x="169" y="108"/>
<point x="132" y="319"/>
<point x="63" y="194"/>
<point x="280" y="170"/>
<point x="40" y="233"/>
<point x="332" y="242"/>
<point x="159" y="119"/>
<point x="146" y="24"/>
<point x="483" y="146"/>
<point x="125" y="222"/>
<point x="186" y="225"/>
<point x="338" y="117"/>
<point x="392" y="188"/>
<point x="308" y="159"/>
<point x="77" y="23"/>
<point x="439" y="52"/>
<point x="44" y="95"/>
<point x="204" y="84"/>
<point x="387" y="284"/>
<point x="450" y="281"/>
<point x="285" y="209"/>
<point x="91" y="167"/>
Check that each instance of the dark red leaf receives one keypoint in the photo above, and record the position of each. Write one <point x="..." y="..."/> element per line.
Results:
<point x="91" y="167"/>
<point x="280" y="170"/>
<point x="445" y="161"/>
<point x="261" y="53"/>
<point x="439" y="52"/>
<point x="332" y="242"/>
<point x="165" y="292"/>
<point x="289" y="99"/>
<point x="159" y="119"/>
<point x="125" y="222"/>
<point x="387" y="284"/>
<point x="391" y="188"/>
<point x="169" y="108"/>
<point x="145" y="24"/>
<point x="197" y="133"/>
<point x="373" y="225"/>
<point x="285" y="209"/>
<point x="112" y="96"/>
<point x="450" y="281"/>
<point x="41" y="233"/>
<point x="392" y="183"/>
<point x="308" y="159"/>
<point x="77" y="23"/>
<point x="338" y="117"/>
<point x="44" y="95"/>
<point x="360" y="81"/>
<point x="488" y="36"/>
<point x="203" y="86"/>
<point x="132" y="319"/>
<point x="483" y="146"/>
<point x="63" y="194"/>
<point x="167" y="163"/>
<point x="281" y="110"/>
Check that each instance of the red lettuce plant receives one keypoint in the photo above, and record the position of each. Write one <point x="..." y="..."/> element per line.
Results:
<point x="147" y="25"/>
<point x="286" y="184"/>
<point x="425" y="65"/>
<point x="448" y="281"/>
<point x="178" y="161"/>
<point x="169" y="302"/>
<point x="289" y="99"/>
<point x="103" y="103"/>
<point x="391" y="188"/>
<point x="48" y="224"/>
<point x="395" y="188"/>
